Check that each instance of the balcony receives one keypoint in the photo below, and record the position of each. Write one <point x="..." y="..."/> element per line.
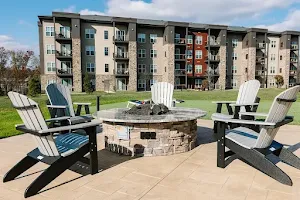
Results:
<point x="179" y="41"/>
<point x="213" y="43"/>
<point x="294" y="59"/>
<point x="121" y="56"/>
<point x="259" y="72"/>
<point x="120" y="39"/>
<point x="212" y="72"/>
<point x="294" y="47"/>
<point x="260" y="60"/>
<point x="180" y="72"/>
<point x="64" y="72"/>
<point x="293" y="72"/>
<point x="121" y="72"/>
<point x="212" y="58"/>
<point x="60" y="37"/>
<point x="180" y="57"/>
<point x="64" y="55"/>
<point x="261" y="45"/>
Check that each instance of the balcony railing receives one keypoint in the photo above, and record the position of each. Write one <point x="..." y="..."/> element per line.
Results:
<point x="261" y="45"/>
<point x="294" y="59"/>
<point x="119" y="38"/>
<point x="259" y="72"/>
<point x="260" y="59"/>
<point x="121" y="55"/>
<point x="67" y="71"/>
<point x="213" y="42"/>
<point x="122" y="71"/>
<point x="64" y="53"/>
<point x="293" y="72"/>
<point x="63" y="36"/>
<point x="294" y="47"/>
<point x="213" y="57"/>
<point x="180" y="72"/>
<point x="213" y="72"/>
<point x="179" y="40"/>
<point x="180" y="56"/>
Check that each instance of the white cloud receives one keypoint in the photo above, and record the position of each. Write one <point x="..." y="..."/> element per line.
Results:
<point x="70" y="9"/>
<point x="90" y="12"/>
<point x="11" y="44"/>
<point x="291" y="22"/>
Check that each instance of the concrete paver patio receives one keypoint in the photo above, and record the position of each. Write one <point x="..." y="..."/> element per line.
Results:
<point x="191" y="175"/>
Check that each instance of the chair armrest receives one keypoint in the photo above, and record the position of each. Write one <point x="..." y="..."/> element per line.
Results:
<point x="245" y="104"/>
<point x="58" y="119"/>
<point x="223" y="102"/>
<point x="256" y="114"/>
<point x="287" y="120"/>
<point x="83" y="104"/>
<point x="57" y="129"/>
<point x="57" y="106"/>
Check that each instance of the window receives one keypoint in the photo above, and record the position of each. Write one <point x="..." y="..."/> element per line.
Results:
<point x="106" y="68"/>
<point x="177" y="66"/>
<point x="51" y="67"/>
<point x="106" y="51"/>
<point x="153" y="68"/>
<point x="199" y="39"/>
<point x="90" y="50"/>
<point x="153" y="38"/>
<point x="141" y="38"/>
<point x="273" y="44"/>
<point x="247" y="42"/>
<point x="198" y="54"/>
<point x="142" y="68"/>
<point x="50" y="49"/>
<point x="89" y="33"/>
<point x="49" y="31"/>
<point x="272" y="70"/>
<point x="198" y="69"/>
<point x="280" y="70"/>
<point x="272" y="56"/>
<point x="153" y="53"/>
<point x="234" y="43"/>
<point x="234" y="70"/>
<point x="90" y="67"/>
<point x="198" y="83"/>
<point x="189" y="54"/>
<point x="234" y="56"/>
<point x="246" y="56"/>
<point x="280" y="57"/>
<point x="142" y="53"/>
<point x="152" y="81"/>
<point x="281" y="44"/>
<point x="272" y="82"/>
<point x="141" y="83"/>
<point x="106" y="35"/>
<point x="190" y="39"/>
<point x="50" y="81"/>
<point x="233" y="83"/>
<point x="189" y="68"/>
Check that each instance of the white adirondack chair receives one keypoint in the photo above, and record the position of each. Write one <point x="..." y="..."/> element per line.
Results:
<point x="60" y="99"/>
<point x="254" y="147"/>
<point x="60" y="152"/>
<point x="162" y="92"/>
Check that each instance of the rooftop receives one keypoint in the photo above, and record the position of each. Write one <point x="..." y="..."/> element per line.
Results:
<point x="191" y="175"/>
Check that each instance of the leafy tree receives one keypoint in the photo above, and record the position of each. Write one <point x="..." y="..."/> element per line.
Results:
<point x="34" y="85"/>
<point x="1" y="92"/>
<point x="87" y="84"/>
<point x="279" y="80"/>
<point x="205" y="84"/>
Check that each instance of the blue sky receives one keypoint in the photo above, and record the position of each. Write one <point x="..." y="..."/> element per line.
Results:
<point x="18" y="18"/>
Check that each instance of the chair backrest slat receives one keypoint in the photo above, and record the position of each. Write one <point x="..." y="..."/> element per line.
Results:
<point x="33" y="119"/>
<point x="277" y="113"/>
<point x="60" y="95"/>
<point x="248" y="93"/>
<point x="162" y="92"/>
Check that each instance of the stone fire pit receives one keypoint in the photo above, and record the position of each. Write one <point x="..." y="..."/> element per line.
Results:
<point x="150" y="135"/>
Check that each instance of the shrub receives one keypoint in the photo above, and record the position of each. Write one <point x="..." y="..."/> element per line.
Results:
<point x="279" y="80"/>
<point x="34" y="87"/>
<point x="87" y="86"/>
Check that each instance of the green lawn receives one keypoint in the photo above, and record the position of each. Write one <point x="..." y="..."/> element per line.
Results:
<point x="194" y="99"/>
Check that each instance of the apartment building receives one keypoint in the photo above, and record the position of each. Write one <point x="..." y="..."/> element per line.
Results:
<point x="131" y="54"/>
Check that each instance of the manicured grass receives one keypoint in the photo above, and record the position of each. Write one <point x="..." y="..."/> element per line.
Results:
<point x="194" y="99"/>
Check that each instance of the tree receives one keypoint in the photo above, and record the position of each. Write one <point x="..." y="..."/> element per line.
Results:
<point x="34" y="85"/>
<point x="4" y="56"/>
<point x="279" y="80"/>
<point x="87" y="84"/>
<point x="205" y="84"/>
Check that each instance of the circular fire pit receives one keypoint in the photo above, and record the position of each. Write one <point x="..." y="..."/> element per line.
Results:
<point x="150" y="135"/>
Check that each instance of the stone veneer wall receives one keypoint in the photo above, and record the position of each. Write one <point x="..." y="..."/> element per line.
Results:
<point x="100" y="84"/>
<point x="170" y="138"/>
<point x="132" y="49"/>
<point x="76" y="64"/>
<point x="222" y="67"/>
<point x="45" y="78"/>
<point x="170" y="63"/>
<point x="249" y="63"/>
<point x="284" y="64"/>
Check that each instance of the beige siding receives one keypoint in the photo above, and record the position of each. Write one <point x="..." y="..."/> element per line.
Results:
<point x="48" y="40"/>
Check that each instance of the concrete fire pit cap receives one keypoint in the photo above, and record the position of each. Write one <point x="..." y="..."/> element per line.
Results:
<point x="177" y="115"/>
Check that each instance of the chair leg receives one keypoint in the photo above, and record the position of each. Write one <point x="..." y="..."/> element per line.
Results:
<point x="54" y="170"/>
<point x="221" y="144"/>
<point x="260" y="162"/>
<point x="289" y="158"/>
<point x="19" y="168"/>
